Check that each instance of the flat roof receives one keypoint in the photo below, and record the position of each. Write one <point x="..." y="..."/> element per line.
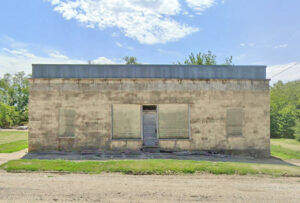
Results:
<point x="148" y="71"/>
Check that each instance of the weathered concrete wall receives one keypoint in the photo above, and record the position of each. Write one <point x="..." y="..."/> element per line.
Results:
<point x="92" y="100"/>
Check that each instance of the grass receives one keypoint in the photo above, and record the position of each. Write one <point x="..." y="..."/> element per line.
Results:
<point x="12" y="141"/>
<point x="285" y="148"/>
<point x="11" y="136"/>
<point x="153" y="166"/>
<point x="13" y="146"/>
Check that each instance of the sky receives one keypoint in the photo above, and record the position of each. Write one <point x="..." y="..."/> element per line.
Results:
<point x="253" y="32"/>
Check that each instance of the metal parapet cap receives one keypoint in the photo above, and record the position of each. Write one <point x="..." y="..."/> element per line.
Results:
<point x="149" y="71"/>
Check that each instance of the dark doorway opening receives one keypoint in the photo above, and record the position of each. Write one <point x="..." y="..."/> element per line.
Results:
<point x="150" y="126"/>
<point x="149" y="108"/>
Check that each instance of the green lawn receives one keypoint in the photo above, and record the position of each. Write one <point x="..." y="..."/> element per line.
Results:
<point x="285" y="148"/>
<point x="12" y="141"/>
<point x="142" y="167"/>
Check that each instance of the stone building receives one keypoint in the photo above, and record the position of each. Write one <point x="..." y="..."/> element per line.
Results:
<point x="124" y="108"/>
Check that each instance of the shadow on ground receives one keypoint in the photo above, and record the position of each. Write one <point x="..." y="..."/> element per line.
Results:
<point x="200" y="156"/>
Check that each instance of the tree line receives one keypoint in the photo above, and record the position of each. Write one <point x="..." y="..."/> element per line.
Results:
<point x="193" y="59"/>
<point x="285" y="110"/>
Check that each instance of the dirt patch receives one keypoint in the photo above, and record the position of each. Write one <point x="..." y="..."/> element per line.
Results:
<point x="52" y="187"/>
<point x="295" y="162"/>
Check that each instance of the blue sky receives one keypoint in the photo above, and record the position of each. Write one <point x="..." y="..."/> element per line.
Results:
<point x="155" y="31"/>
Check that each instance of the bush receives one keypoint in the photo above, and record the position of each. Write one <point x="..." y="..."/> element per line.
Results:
<point x="287" y="122"/>
<point x="8" y="116"/>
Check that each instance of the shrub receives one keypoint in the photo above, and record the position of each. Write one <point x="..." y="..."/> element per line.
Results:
<point x="8" y="116"/>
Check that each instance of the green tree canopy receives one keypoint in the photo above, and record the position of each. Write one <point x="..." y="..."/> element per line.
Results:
<point x="285" y="109"/>
<point x="130" y="60"/>
<point x="205" y="59"/>
<point x="13" y="99"/>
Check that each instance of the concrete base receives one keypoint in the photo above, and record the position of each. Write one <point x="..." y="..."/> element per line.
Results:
<point x="200" y="156"/>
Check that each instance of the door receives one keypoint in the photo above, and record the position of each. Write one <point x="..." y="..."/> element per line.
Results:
<point x="149" y="126"/>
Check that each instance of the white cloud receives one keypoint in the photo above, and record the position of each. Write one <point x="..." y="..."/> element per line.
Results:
<point x="119" y="44"/>
<point x="291" y="74"/>
<point x="21" y="53"/>
<point x="12" y="42"/>
<point x="282" y="46"/>
<point x="114" y="34"/>
<point x="102" y="60"/>
<point x="185" y="12"/>
<point x="148" y="21"/>
<point x="124" y="46"/>
<point x="130" y="48"/>
<point x="17" y="56"/>
<point x="251" y="44"/>
<point x="16" y="60"/>
<point x="57" y="54"/>
<point x="200" y="5"/>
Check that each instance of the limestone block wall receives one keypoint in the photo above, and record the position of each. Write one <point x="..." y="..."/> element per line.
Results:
<point x="87" y="104"/>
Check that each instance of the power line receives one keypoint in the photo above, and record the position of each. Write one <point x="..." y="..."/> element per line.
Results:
<point x="287" y="68"/>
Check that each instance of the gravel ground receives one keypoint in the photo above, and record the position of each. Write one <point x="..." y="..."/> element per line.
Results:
<point x="54" y="187"/>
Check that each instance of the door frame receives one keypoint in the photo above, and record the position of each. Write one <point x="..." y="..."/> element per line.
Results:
<point x="142" y="122"/>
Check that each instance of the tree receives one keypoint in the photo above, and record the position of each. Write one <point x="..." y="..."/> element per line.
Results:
<point x="297" y="130"/>
<point x="20" y="86"/>
<point x="287" y="122"/>
<point x="13" y="99"/>
<point x="130" y="60"/>
<point x="5" y="89"/>
<point x="205" y="59"/>
<point x="285" y="109"/>
<point x="8" y="116"/>
<point x="228" y="61"/>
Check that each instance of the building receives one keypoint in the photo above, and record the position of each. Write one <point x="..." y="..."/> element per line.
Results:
<point x="123" y="108"/>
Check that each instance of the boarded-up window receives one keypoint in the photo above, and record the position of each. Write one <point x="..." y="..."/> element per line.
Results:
<point x="126" y="121"/>
<point x="234" y="123"/>
<point x="66" y="123"/>
<point x="173" y="121"/>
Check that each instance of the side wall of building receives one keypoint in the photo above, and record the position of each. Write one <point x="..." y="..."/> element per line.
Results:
<point x="87" y="105"/>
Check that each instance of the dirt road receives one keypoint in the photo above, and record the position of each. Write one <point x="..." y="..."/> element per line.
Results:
<point x="49" y="187"/>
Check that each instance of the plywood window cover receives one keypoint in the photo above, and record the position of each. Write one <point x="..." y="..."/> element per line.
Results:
<point x="234" y="122"/>
<point x="188" y="117"/>
<point x="64" y="122"/>
<point x="113" y="125"/>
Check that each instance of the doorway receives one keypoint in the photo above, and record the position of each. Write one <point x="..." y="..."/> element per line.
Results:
<point x="150" y="126"/>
